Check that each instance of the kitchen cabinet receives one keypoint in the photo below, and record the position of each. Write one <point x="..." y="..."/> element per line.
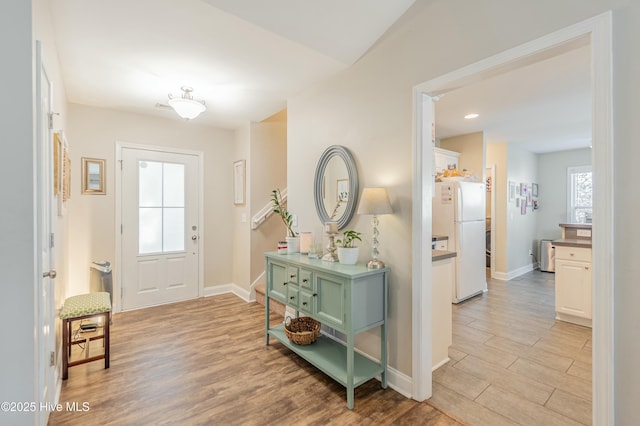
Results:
<point x="347" y="298"/>
<point x="441" y="310"/>
<point x="443" y="158"/>
<point x="573" y="285"/>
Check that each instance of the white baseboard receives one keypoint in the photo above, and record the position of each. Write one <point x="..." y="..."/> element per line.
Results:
<point x="502" y="276"/>
<point x="400" y="382"/>
<point x="228" y="288"/>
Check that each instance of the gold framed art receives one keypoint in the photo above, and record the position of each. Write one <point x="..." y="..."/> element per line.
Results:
<point x="93" y="176"/>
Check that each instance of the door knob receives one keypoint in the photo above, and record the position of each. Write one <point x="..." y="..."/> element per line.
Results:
<point x="51" y="274"/>
<point x="194" y="237"/>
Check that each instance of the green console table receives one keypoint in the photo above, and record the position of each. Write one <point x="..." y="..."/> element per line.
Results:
<point x="347" y="298"/>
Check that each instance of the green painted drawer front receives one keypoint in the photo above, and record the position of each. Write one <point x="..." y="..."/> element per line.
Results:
<point x="292" y="274"/>
<point x="277" y="281"/>
<point x="306" y="302"/>
<point x="330" y="303"/>
<point x="292" y="295"/>
<point x="306" y="279"/>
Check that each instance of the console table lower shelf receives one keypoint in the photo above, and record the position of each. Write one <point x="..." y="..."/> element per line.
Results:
<point x="330" y="357"/>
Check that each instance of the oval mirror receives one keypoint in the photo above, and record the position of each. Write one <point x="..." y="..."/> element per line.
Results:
<point x="336" y="186"/>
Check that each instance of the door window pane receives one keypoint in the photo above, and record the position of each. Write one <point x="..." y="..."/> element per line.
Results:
<point x="173" y="185"/>
<point x="173" y="227"/>
<point x="150" y="182"/>
<point x="161" y="210"/>
<point x="150" y="230"/>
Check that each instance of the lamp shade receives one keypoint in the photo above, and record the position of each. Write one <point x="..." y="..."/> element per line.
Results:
<point x="374" y="201"/>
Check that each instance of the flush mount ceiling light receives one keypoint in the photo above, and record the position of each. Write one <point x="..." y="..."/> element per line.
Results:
<point x="471" y="116"/>
<point x="185" y="106"/>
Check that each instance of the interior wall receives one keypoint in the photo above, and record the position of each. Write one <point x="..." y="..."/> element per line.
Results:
<point x="552" y="189"/>
<point x="93" y="132"/>
<point x="18" y="259"/>
<point x="368" y="108"/>
<point x="472" y="151"/>
<point x="521" y="228"/>
<point x="497" y="154"/>
<point x="269" y="171"/>
<point x="241" y="242"/>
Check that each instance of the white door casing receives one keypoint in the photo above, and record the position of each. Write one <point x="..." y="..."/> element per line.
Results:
<point x="160" y="232"/>
<point x="46" y="310"/>
<point x="598" y="33"/>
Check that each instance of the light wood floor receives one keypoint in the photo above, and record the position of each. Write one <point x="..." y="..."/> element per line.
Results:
<point x="205" y="362"/>
<point x="512" y="363"/>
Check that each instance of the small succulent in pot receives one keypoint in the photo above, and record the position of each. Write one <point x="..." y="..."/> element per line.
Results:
<point x="349" y="239"/>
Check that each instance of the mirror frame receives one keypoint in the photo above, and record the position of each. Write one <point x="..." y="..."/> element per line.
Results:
<point x="86" y="186"/>
<point x="345" y="155"/>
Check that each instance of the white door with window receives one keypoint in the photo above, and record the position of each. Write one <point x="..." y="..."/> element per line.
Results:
<point x="160" y="227"/>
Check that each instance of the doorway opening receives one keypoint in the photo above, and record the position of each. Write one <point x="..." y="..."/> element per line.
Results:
<point x="597" y="33"/>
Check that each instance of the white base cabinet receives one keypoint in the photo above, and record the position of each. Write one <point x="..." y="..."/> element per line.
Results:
<point x="573" y="285"/>
<point x="442" y="273"/>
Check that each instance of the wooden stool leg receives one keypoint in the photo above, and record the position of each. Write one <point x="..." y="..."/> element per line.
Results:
<point x="107" y="343"/>
<point x="66" y="349"/>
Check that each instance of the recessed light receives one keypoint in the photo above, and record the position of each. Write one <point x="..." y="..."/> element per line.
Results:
<point x="471" y="116"/>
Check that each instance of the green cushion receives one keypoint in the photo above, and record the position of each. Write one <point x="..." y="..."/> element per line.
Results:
<point x="86" y="304"/>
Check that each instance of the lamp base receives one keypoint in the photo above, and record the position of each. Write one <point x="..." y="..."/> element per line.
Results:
<point x="375" y="264"/>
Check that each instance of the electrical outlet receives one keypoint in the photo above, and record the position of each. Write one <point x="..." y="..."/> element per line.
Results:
<point x="294" y="220"/>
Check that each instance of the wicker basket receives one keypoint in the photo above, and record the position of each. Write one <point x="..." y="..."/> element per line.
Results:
<point x="301" y="331"/>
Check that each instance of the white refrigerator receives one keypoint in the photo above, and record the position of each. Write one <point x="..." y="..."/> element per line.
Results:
<point x="459" y="213"/>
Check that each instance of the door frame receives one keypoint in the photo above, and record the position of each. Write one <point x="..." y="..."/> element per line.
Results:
<point x="46" y="372"/>
<point x="117" y="288"/>
<point x="597" y="33"/>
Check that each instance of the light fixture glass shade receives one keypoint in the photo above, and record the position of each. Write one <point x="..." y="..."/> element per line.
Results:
<point x="185" y="106"/>
<point x="374" y="201"/>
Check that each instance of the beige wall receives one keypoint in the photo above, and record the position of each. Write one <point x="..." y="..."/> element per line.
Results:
<point x="497" y="154"/>
<point x="93" y="132"/>
<point x="368" y="108"/>
<point x="472" y="151"/>
<point x="241" y="241"/>
<point x="269" y="171"/>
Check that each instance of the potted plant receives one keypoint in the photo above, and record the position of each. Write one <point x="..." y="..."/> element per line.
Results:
<point x="347" y="251"/>
<point x="293" y="241"/>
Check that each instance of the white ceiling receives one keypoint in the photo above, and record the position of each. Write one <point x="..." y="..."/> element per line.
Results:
<point x="244" y="58"/>
<point x="543" y="107"/>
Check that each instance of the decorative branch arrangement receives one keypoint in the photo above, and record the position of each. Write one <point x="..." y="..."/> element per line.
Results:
<point x="279" y="208"/>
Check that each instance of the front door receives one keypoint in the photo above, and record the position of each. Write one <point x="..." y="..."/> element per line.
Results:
<point x="160" y="220"/>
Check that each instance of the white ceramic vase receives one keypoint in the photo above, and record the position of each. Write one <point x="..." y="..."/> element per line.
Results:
<point x="348" y="256"/>
<point x="293" y="245"/>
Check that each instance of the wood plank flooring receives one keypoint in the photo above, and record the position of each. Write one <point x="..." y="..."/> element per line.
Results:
<point x="512" y="363"/>
<point x="205" y="362"/>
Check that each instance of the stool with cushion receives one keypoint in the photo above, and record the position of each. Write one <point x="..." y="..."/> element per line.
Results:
<point x="81" y="307"/>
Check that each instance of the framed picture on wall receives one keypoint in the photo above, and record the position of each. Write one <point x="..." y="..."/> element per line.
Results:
<point x="534" y="190"/>
<point x="512" y="191"/>
<point x="238" y="182"/>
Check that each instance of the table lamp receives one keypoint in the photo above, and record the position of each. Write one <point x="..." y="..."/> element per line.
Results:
<point x="375" y="201"/>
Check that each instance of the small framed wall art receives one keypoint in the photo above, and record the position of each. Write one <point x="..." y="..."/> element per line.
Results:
<point x="238" y="182"/>
<point x="93" y="176"/>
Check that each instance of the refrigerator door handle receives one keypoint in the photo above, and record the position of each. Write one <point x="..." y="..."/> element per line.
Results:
<point x="460" y="238"/>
